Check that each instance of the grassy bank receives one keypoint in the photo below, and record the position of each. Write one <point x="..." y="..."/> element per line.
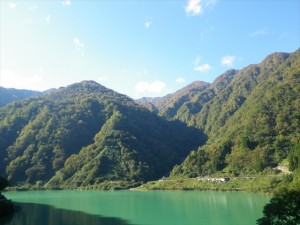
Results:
<point x="259" y="184"/>
<point x="106" y="185"/>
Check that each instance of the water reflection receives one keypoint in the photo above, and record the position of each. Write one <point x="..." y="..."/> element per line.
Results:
<point x="35" y="214"/>
<point x="153" y="207"/>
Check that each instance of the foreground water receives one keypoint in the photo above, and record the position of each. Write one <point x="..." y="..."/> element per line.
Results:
<point x="135" y="208"/>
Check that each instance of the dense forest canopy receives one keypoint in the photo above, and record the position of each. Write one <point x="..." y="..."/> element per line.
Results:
<point x="8" y="95"/>
<point x="246" y="122"/>
<point x="85" y="134"/>
<point x="251" y="117"/>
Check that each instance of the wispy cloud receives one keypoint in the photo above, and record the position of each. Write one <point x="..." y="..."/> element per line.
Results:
<point x="197" y="7"/>
<point x="78" y="43"/>
<point x="285" y="35"/>
<point x="155" y="87"/>
<point x="180" y="80"/>
<point x="210" y="3"/>
<point x="193" y="8"/>
<point x="196" y="61"/>
<point x="79" y="46"/>
<point x="48" y="19"/>
<point x="12" y="5"/>
<point x="66" y="2"/>
<point x="148" y="24"/>
<point x="36" y="81"/>
<point x="228" y="60"/>
<point x="202" y="36"/>
<point x="201" y="68"/>
<point x="259" y="32"/>
<point x="33" y="7"/>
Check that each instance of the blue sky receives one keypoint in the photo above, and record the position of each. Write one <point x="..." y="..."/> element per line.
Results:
<point x="139" y="47"/>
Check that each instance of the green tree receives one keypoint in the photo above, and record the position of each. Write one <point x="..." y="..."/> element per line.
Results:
<point x="283" y="209"/>
<point x="6" y="206"/>
<point x="294" y="157"/>
<point x="3" y="183"/>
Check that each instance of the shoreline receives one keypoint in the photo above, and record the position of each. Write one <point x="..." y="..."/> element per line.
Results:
<point x="258" y="184"/>
<point x="7" y="207"/>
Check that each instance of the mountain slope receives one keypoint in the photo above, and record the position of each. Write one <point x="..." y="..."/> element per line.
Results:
<point x="251" y="123"/>
<point x="85" y="134"/>
<point x="168" y="105"/>
<point x="8" y="95"/>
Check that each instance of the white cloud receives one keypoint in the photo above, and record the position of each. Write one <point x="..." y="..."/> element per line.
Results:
<point x="196" y="61"/>
<point x="78" y="43"/>
<point x="203" y="68"/>
<point x="193" y="8"/>
<point x="10" y="79"/>
<point x="180" y="80"/>
<point x="48" y="19"/>
<point x="155" y="87"/>
<point x="66" y="2"/>
<point x="12" y="5"/>
<point x="197" y="7"/>
<point x="227" y="60"/>
<point x="148" y="24"/>
<point x="262" y="31"/>
<point x="79" y="46"/>
<point x="210" y="3"/>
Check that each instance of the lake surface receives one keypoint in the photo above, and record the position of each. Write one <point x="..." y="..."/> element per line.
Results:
<point x="135" y="208"/>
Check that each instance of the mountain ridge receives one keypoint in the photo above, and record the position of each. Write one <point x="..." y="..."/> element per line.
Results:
<point x="8" y="95"/>
<point x="84" y="134"/>
<point x="236" y="143"/>
<point x="245" y="122"/>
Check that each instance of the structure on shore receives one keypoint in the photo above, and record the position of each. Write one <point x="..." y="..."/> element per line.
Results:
<point x="214" y="179"/>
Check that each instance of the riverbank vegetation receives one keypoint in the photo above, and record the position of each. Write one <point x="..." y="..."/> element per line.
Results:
<point x="6" y="206"/>
<point x="258" y="184"/>
<point x="283" y="208"/>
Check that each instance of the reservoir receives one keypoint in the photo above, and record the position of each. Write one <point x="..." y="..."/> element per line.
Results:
<point x="135" y="208"/>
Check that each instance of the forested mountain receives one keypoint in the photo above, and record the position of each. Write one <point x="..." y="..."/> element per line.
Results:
<point x="251" y="118"/>
<point x="168" y="106"/>
<point x="8" y="95"/>
<point x="85" y="134"/>
<point x="245" y="122"/>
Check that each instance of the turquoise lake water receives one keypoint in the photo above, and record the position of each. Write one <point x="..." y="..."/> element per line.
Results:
<point x="135" y="208"/>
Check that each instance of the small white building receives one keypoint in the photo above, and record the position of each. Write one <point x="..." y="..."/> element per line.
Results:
<point x="214" y="179"/>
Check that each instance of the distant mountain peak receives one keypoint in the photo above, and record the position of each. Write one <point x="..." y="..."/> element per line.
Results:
<point x="8" y="95"/>
<point x="86" y="87"/>
<point x="90" y="82"/>
<point x="196" y="84"/>
<point x="275" y="58"/>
